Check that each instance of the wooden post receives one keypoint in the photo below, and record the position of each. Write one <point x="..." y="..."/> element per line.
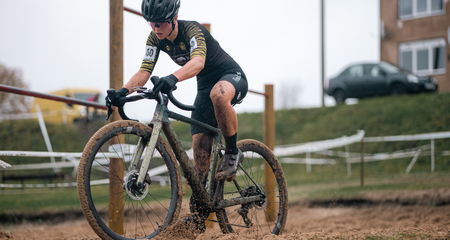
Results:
<point x="432" y="155"/>
<point x="362" y="162"/>
<point x="209" y="224"/>
<point x="207" y="26"/>
<point x="116" y="213"/>
<point x="269" y="139"/>
<point x="322" y="45"/>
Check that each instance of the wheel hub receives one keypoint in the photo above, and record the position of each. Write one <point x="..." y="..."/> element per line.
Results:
<point x="130" y="186"/>
<point x="254" y="191"/>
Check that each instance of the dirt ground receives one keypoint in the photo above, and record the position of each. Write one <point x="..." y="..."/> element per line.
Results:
<point x="392" y="215"/>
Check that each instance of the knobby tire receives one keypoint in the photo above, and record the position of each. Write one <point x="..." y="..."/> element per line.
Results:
<point x="142" y="218"/>
<point x="259" y="222"/>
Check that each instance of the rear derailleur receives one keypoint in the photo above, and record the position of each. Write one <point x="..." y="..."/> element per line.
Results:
<point x="244" y="209"/>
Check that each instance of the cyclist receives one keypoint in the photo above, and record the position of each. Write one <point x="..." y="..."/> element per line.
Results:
<point x="221" y="83"/>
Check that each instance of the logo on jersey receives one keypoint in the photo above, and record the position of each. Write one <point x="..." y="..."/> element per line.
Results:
<point x="238" y="96"/>
<point x="167" y="47"/>
<point x="182" y="46"/>
<point x="237" y="78"/>
<point x="150" y="53"/>
<point x="193" y="43"/>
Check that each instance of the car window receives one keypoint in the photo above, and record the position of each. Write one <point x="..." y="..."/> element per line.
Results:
<point x="356" y="71"/>
<point x="368" y="68"/>
<point x="344" y="73"/>
<point x="375" y="71"/>
<point x="389" y="68"/>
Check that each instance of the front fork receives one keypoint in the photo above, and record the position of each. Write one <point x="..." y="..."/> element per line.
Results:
<point x="157" y="127"/>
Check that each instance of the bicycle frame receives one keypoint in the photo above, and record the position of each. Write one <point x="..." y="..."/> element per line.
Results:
<point x="160" y="122"/>
<point x="139" y="208"/>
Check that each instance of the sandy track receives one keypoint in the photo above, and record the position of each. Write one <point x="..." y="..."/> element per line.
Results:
<point x="382" y="215"/>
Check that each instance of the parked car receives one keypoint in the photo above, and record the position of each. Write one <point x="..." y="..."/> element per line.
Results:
<point x="376" y="79"/>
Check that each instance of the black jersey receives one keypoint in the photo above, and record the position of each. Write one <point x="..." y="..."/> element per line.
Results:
<point x="192" y="40"/>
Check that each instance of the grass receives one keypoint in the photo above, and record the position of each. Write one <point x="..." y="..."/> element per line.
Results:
<point x="408" y="114"/>
<point x="34" y="200"/>
<point x="325" y="185"/>
<point x="324" y="182"/>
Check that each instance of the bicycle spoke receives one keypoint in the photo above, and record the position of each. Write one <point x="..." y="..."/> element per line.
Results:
<point x="264" y="215"/>
<point x="138" y="211"/>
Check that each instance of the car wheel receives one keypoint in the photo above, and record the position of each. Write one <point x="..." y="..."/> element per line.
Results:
<point x="339" y="96"/>
<point x="398" y="89"/>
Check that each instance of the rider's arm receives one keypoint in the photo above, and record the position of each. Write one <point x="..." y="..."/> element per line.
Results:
<point x="190" y="69"/>
<point x="138" y="79"/>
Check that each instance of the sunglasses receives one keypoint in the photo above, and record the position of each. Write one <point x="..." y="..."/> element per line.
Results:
<point x="159" y="25"/>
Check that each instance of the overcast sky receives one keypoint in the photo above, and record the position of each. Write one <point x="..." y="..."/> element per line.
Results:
<point x="59" y="43"/>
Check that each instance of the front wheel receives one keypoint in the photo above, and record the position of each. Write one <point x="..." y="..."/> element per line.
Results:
<point x="398" y="89"/>
<point x="339" y="96"/>
<point x="261" y="217"/>
<point x="110" y="200"/>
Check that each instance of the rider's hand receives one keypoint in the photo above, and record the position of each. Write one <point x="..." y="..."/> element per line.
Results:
<point x="165" y="84"/>
<point x="113" y="99"/>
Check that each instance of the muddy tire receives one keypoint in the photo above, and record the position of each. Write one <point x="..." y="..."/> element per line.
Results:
<point x="116" y="210"/>
<point x="262" y="217"/>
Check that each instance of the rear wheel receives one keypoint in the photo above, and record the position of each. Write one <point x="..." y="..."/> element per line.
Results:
<point x="111" y="202"/>
<point x="261" y="217"/>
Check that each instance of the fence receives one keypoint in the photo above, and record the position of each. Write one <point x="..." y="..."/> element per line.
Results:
<point x="70" y="160"/>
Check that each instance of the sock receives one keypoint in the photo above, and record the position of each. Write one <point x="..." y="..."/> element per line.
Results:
<point x="230" y="144"/>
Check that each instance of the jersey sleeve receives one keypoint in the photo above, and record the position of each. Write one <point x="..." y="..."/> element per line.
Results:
<point x="151" y="53"/>
<point x="196" y="40"/>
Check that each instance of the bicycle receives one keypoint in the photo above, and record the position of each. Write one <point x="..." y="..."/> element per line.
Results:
<point x="146" y="207"/>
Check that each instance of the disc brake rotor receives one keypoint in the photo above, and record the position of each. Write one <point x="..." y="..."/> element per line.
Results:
<point x="130" y="186"/>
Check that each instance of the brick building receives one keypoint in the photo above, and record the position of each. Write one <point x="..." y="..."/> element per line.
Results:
<point x="415" y="34"/>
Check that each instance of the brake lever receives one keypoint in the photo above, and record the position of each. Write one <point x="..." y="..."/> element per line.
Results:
<point x="121" y="102"/>
<point x="110" y="109"/>
<point x="110" y="94"/>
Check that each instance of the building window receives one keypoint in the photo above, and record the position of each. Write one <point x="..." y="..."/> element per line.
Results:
<point x="423" y="57"/>
<point x="406" y="60"/>
<point x="409" y="9"/>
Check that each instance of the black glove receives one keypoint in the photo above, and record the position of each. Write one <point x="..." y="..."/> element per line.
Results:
<point x="112" y="97"/>
<point x="165" y="84"/>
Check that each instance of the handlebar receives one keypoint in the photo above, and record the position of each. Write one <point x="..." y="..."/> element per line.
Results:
<point x="145" y="94"/>
<point x="179" y="104"/>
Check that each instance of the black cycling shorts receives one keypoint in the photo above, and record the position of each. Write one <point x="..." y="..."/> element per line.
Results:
<point x="204" y="109"/>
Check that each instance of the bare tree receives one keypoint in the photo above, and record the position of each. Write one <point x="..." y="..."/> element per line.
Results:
<point x="9" y="102"/>
<point x="288" y="92"/>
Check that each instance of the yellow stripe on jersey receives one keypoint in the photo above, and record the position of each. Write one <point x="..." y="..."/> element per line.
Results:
<point x="151" y="53"/>
<point x="192" y="40"/>
<point x="196" y="40"/>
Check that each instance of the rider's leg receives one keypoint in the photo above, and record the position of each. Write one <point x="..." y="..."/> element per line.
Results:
<point x="221" y="96"/>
